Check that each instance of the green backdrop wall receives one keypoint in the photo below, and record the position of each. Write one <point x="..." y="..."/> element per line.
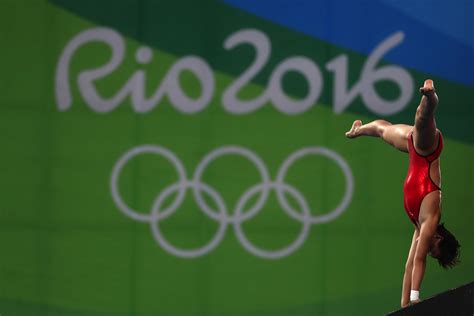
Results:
<point x="189" y="158"/>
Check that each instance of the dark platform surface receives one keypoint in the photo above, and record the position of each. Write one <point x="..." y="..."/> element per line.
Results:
<point x="455" y="302"/>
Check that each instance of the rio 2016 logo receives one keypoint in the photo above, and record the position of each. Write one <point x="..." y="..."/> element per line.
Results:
<point x="273" y="93"/>
<point x="134" y="87"/>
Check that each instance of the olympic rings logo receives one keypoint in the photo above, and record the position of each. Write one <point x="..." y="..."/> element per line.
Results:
<point x="222" y="214"/>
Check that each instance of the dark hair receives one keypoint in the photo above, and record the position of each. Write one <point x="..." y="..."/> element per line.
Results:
<point x="448" y="247"/>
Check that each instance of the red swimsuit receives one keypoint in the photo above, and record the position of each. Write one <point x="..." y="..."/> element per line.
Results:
<point x="418" y="182"/>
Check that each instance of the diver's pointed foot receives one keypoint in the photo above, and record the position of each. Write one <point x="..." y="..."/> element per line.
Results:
<point x="354" y="131"/>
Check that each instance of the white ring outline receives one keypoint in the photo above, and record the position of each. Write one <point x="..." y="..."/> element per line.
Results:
<point x="228" y="150"/>
<point x="278" y="253"/>
<point x="316" y="219"/>
<point x="186" y="253"/>
<point x="159" y="150"/>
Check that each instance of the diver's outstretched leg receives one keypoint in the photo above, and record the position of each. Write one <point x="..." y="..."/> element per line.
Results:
<point x="424" y="132"/>
<point x="395" y="135"/>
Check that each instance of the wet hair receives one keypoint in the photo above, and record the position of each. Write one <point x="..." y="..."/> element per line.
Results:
<point x="448" y="248"/>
